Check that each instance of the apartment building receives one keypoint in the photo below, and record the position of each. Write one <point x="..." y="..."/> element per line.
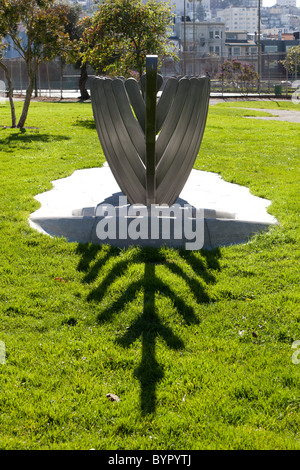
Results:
<point x="85" y="4"/>
<point x="239" y="18"/>
<point x="239" y="44"/>
<point x="203" y="38"/>
<point x="286" y="3"/>
<point x="190" y="7"/>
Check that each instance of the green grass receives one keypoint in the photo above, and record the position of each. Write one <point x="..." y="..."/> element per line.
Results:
<point x="197" y="345"/>
<point x="262" y="104"/>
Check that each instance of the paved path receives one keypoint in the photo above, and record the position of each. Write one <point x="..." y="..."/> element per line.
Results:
<point x="278" y="115"/>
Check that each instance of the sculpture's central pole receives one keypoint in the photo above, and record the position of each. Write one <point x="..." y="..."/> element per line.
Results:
<point x="150" y="131"/>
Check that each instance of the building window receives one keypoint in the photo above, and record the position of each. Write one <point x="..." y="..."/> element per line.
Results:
<point x="236" y="51"/>
<point x="271" y="48"/>
<point x="189" y="34"/>
<point x="231" y="36"/>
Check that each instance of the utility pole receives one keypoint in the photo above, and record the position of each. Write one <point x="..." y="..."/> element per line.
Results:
<point x="194" y="37"/>
<point x="259" y="48"/>
<point x="184" y="38"/>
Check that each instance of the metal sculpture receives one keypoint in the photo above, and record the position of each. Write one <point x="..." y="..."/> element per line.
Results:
<point x="150" y="144"/>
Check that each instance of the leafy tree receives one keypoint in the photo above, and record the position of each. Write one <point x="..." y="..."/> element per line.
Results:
<point x="292" y="61"/>
<point x="121" y="33"/>
<point x="46" y="38"/>
<point x="241" y="75"/>
<point x="74" y="28"/>
<point x="9" y="82"/>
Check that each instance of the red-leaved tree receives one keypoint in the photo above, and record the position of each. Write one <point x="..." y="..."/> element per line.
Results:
<point x="240" y="75"/>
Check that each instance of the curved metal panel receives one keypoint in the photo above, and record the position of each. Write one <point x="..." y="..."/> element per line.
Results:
<point x="137" y="101"/>
<point x="165" y="101"/>
<point x="150" y="145"/>
<point x="178" y="159"/>
<point x="123" y="159"/>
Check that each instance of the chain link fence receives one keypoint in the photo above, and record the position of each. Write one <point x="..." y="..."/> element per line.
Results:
<point x="57" y="80"/>
<point x="274" y="78"/>
<point x="53" y="79"/>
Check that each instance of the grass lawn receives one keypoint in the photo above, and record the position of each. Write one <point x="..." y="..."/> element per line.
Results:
<point x="197" y="345"/>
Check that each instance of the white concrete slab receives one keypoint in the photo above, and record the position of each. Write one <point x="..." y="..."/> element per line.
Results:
<point x="231" y="212"/>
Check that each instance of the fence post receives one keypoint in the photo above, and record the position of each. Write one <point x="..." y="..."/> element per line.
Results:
<point x="20" y="73"/>
<point x="222" y="79"/>
<point x="61" y="78"/>
<point x="39" y="76"/>
<point x="269" y="78"/>
<point x="49" y="86"/>
<point x="287" y="76"/>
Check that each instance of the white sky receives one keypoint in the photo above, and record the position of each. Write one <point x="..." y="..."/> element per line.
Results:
<point x="269" y="3"/>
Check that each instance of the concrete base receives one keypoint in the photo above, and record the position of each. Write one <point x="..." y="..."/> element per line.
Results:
<point x="75" y="209"/>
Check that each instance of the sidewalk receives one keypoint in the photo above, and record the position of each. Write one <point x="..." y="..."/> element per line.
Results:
<point x="67" y="94"/>
<point x="278" y="114"/>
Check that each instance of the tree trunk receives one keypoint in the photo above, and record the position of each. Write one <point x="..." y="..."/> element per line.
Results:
<point x="84" y="95"/>
<point x="26" y="105"/>
<point x="10" y="95"/>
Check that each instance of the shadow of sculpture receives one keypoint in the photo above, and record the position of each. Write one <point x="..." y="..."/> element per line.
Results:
<point x="150" y="145"/>
<point x="148" y="325"/>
